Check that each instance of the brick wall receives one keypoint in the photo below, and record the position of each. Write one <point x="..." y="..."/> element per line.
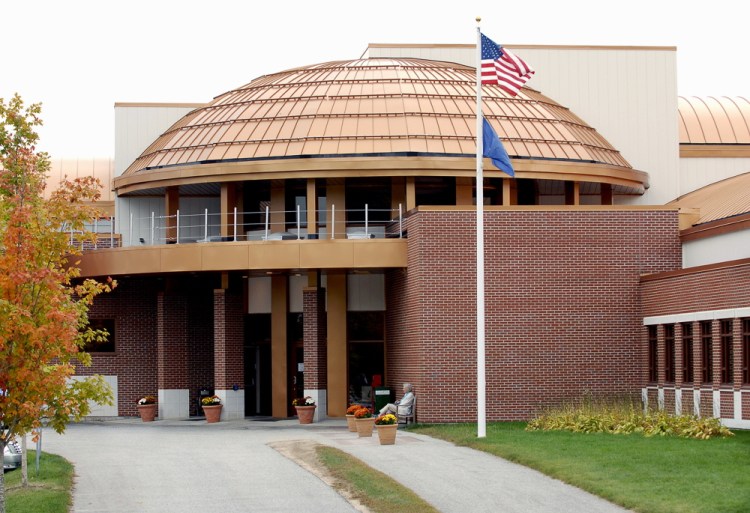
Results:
<point x="314" y="334"/>
<point x="188" y="358"/>
<point x="562" y="309"/>
<point x="229" y="369"/>
<point x="133" y="307"/>
<point x="701" y="288"/>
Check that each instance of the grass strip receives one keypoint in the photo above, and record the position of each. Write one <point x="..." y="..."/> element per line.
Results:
<point x="378" y="492"/>
<point x="50" y="492"/>
<point x="646" y="474"/>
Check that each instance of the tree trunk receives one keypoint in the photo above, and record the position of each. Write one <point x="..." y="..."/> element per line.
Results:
<point x="24" y="467"/>
<point x="2" y="480"/>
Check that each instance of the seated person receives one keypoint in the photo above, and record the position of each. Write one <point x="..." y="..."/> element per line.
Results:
<point x="403" y="405"/>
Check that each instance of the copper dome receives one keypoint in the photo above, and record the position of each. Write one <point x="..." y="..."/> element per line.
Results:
<point x="373" y="108"/>
<point x="714" y="120"/>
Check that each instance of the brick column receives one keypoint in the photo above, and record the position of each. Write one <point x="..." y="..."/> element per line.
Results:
<point x="172" y="356"/>
<point x="229" y="369"/>
<point x="314" y="334"/>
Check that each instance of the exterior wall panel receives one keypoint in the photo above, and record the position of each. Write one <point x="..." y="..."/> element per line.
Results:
<point x="562" y="307"/>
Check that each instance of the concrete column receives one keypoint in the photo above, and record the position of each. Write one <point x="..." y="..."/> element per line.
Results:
<point x="572" y="193"/>
<point x="229" y="370"/>
<point x="279" y="395"/>
<point x="172" y="204"/>
<point x="228" y="203"/>
<point x="172" y="357"/>
<point x="314" y="320"/>
<point x="411" y="193"/>
<point x="312" y="207"/>
<point x="464" y="191"/>
<point x="278" y="205"/>
<point x="338" y="370"/>
<point x="506" y="191"/>
<point x="336" y="196"/>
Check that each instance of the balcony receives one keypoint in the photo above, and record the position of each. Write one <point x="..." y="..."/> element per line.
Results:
<point x="274" y="241"/>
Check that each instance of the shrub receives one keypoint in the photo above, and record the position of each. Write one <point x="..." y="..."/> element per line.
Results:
<point x="618" y="417"/>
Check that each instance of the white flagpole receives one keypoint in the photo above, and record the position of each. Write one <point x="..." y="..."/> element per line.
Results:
<point x="481" y="386"/>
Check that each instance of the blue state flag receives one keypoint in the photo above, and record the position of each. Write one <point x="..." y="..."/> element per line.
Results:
<point x="493" y="148"/>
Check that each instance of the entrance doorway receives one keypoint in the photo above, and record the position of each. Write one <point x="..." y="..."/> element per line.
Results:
<point x="295" y="360"/>
<point x="257" y="353"/>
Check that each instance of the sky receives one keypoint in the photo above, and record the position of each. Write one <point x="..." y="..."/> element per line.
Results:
<point x="80" y="57"/>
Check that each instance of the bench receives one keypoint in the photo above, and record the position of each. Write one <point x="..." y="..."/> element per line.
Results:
<point x="404" y="418"/>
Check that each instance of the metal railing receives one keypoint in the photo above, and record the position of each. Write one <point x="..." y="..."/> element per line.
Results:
<point x="265" y="225"/>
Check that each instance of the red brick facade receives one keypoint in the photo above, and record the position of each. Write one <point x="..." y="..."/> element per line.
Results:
<point x="721" y="287"/>
<point x="314" y="334"/>
<point x="562" y="310"/>
<point x="229" y="337"/>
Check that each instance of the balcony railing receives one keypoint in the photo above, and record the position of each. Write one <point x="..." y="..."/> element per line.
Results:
<point x="264" y="225"/>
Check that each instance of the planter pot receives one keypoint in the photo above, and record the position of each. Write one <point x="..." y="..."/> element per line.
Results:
<point x="365" y="426"/>
<point x="351" y="424"/>
<point x="305" y="414"/>
<point x="212" y="413"/>
<point x="387" y="434"/>
<point x="147" y="412"/>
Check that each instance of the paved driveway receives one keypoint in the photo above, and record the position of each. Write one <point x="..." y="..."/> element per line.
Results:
<point x="160" y="467"/>
<point x="190" y="466"/>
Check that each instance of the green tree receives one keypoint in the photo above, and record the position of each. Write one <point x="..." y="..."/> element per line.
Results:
<point x="43" y="302"/>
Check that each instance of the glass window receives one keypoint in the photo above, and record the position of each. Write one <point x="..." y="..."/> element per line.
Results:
<point x="745" y="351"/>
<point x="687" y="352"/>
<point x="707" y="359"/>
<point x="727" y="352"/>
<point x="107" y="346"/>
<point x="653" y="375"/>
<point x="669" y="353"/>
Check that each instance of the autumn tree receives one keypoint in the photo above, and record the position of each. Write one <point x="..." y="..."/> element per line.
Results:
<point x="43" y="302"/>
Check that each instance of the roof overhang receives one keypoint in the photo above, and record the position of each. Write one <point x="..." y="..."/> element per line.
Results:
<point x="625" y="180"/>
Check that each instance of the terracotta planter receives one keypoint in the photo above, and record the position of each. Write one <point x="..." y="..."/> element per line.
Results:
<point x="212" y="413"/>
<point x="351" y="424"/>
<point x="305" y="414"/>
<point x="365" y="426"/>
<point x="387" y="434"/>
<point x="147" y="412"/>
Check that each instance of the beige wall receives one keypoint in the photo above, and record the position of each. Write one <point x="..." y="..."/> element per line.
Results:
<point x="628" y="94"/>
<point x="137" y="125"/>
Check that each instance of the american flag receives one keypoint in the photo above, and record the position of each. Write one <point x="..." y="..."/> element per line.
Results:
<point x="501" y="67"/>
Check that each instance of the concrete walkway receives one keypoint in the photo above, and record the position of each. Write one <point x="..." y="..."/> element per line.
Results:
<point x="183" y="466"/>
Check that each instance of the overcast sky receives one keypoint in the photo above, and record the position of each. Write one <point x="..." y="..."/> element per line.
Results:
<point x="80" y="57"/>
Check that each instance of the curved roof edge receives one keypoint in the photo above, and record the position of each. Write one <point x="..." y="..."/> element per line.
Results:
<point x="625" y="181"/>
<point x="723" y="206"/>
<point x="714" y="120"/>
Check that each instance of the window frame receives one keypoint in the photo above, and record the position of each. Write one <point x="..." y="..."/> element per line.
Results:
<point x="707" y="358"/>
<point x="669" y="353"/>
<point x="687" y="353"/>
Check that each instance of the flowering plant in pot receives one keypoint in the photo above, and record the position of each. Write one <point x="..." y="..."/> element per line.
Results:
<point x="305" y="407"/>
<point x="212" y="408"/>
<point x="211" y="400"/>
<point x="363" y="413"/>
<point x="364" y="421"/>
<point x="350" y="417"/>
<point x="386" y="426"/>
<point x="303" y="401"/>
<point x="388" y="419"/>
<point x="147" y="408"/>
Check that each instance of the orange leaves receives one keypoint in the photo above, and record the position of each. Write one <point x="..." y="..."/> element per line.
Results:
<point x="41" y="306"/>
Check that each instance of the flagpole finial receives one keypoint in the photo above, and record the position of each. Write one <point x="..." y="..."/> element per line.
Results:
<point x="479" y="19"/>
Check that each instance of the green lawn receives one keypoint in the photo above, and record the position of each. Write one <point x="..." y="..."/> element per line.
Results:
<point x="49" y="493"/>
<point x="378" y="492"/>
<point x="654" y="475"/>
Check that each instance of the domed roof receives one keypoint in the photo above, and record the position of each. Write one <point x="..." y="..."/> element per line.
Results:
<point x="720" y="200"/>
<point x="713" y="120"/>
<point x="376" y="108"/>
